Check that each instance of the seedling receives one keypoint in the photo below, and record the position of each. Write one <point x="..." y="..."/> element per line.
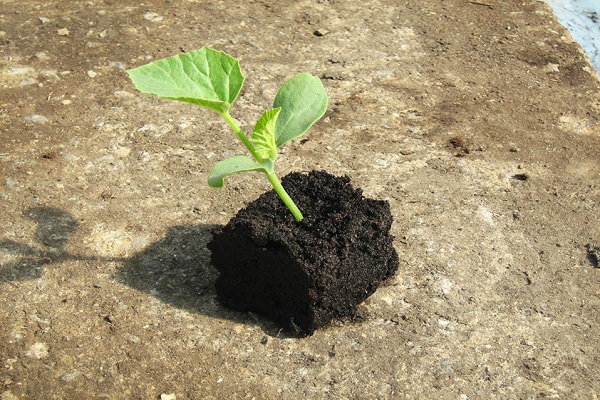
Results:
<point x="213" y="79"/>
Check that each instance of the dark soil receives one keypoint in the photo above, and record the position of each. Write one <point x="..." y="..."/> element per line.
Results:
<point x="305" y="274"/>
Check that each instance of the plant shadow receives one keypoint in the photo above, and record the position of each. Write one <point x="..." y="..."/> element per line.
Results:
<point x="54" y="229"/>
<point x="175" y="269"/>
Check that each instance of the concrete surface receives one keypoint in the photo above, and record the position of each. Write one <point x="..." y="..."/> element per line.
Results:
<point x="477" y="120"/>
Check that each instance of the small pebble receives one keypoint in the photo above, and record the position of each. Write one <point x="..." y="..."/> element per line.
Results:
<point x="28" y="82"/>
<point x="116" y="64"/>
<point x="320" y="32"/>
<point x="92" y="74"/>
<point x="168" y="396"/>
<point x="69" y="157"/>
<point x="38" y="119"/>
<point x="123" y="94"/>
<point x="152" y="16"/>
<point x="11" y="184"/>
<point x="70" y="376"/>
<point x="63" y="32"/>
<point x="133" y="339"/>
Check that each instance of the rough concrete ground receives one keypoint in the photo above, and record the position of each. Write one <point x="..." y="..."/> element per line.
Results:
<point x="477" y="120"/>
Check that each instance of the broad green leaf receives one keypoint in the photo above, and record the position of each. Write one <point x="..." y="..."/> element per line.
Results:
<point x="231" y="165"/>
<point x="303" y="102"/>
<point x="205" y="77"/>
<point x="263" y="137"/>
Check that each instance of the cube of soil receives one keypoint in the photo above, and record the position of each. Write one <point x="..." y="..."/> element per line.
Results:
<point x="305" y="274"/>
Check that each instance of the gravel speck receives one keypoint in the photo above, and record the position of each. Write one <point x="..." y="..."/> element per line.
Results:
<point x="70" y="376"/>
<point x="38" y="119"/>
<point x="152" y="16"/>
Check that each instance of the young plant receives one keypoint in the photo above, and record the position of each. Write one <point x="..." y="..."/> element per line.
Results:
<point x="213" y="79"/>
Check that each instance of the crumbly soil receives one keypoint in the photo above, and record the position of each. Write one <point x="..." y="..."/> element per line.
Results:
<point x="476" y="120"/>
<point x="305" y="275"/>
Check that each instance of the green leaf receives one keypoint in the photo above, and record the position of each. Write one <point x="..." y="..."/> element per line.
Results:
<point x="205" y="77"/>
<point x="303" y="102"/>
<point x="263" y="137"/>
<point x="231" y="165"/>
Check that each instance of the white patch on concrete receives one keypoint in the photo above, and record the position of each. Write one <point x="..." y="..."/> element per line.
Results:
<point x="38" y="350"/>
<point x="487" y="215"/>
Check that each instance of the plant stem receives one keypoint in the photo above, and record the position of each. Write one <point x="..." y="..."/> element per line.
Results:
<point x="240" y="134"/>
<point x="287" y="200"/>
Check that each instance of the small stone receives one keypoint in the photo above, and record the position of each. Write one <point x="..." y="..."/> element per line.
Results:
<point x="49" y="74"/>
<point x="122" y="94"/>
<point x="552" y="67"/>
<point x="38" y="350"/>
<point x="16" y="336"/>
<point x="92" y="74"/>
<point x="320" y="32"/>
<point x="29" y="82"/>
<point x="116" y="64"/>
<point x="41" y="55"/>
<point x="446" y="325"/>
<point x="133" y="339"/>
<point x="63" y="32"/>
<point x="69" y="157"/>
<point x="38" y="119"/>
<point x="356" y="346"/>
<point x="11" y="184"/>
<point x="70" y="376"/>
<point x="152" y="16"/>
<point x="44" y="20"/>
<point x="171" y="396"/>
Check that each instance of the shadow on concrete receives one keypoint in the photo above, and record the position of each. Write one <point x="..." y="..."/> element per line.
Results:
<point x="175" y="269"/>
<point x="54" y="228"/>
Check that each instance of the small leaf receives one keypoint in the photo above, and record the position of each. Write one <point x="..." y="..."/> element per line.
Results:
<point x="205" y="77"/>
<point x="303" y="101"/>
<point x="231" y="165"/>
<point x="263" y="137"/>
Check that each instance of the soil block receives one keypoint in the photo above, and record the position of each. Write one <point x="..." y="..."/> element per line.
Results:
<point x="305" y="274"/>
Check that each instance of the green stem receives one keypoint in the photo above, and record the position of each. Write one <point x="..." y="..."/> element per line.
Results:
<point x="287" y="200"/>
<point x="241" y="136"/>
